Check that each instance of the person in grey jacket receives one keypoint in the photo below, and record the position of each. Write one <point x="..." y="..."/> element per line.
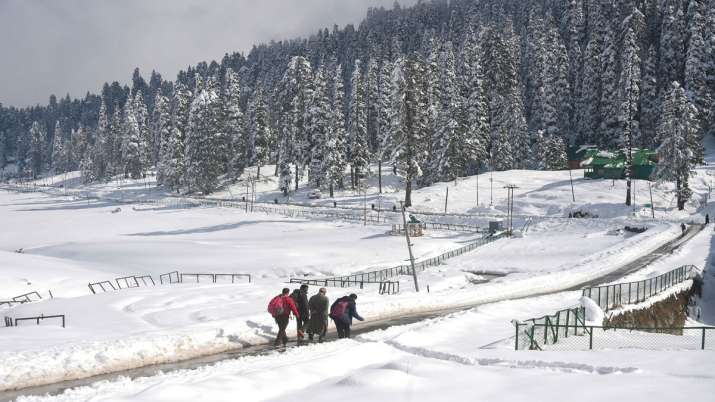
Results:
<point x="319" y="306"/>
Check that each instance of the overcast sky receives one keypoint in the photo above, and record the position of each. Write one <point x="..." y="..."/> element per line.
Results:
<point x="74" y="46"/>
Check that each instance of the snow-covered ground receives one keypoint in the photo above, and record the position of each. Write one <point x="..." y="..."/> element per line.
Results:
<point x="69" y="242"/>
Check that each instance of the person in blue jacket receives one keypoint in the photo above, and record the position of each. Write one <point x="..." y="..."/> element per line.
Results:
<point x="342" y="312"/>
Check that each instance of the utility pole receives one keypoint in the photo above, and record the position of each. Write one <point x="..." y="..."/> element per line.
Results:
<point x="510" y="206"/>
<point x="409" y="247"/>
<point x="477" y="186"/>
<point x="364" y="203"/>
<point x="491" y="189"/>
<point x="652" y="207"/>
<point x="446" y="199"/>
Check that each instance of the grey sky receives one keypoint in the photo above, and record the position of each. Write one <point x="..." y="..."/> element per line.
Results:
<point x="74" y="46"/>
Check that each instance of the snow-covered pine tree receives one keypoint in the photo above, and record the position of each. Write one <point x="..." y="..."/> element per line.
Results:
<point x="372" y="99"/>
<point x="334" y="146"/>
<point x="317" y="121"/>
<point x="590" y="101"/>
<point x="262" y="136"/>
<point x="609" y="132"/>
<point x="37" y="148"/>
<point x="475" y="108"/>
<point x="296" y="92"/>
<point x="507" y="118"/>
<point x="384" y="114"/>
<point x="84" y="156"/>
<point x="649" y="102"/>
<point x="174" y="151"/>
<point x="629" y="86"/>
<point x="114" y="143"/>
<point x="448" y="156"/>
<point x="234" y="124"/>
<point x="697" y="62"/>
<point x="161" y="132"/>
<point x="408" y="130"/>
<point x="672" y="46"/>
<point x="358" y="143"/>
<point x="58" y="164"/>
<point x="141" y="115"/>
<point x="132" y="143"/>
<point x="99" y="156"/>
<point x="204" y="140"/>
<point x="676" y="154"/>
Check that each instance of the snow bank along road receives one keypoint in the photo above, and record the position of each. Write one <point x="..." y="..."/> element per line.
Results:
<point x="613" y="261"/>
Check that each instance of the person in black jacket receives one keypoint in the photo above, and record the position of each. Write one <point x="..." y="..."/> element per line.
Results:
<point x="300" y="297"/>
<point x="342" y="312"/>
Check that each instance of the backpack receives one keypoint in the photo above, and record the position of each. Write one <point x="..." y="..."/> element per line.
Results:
<point x="339" y="309"/>
<point x="276" y="307"/>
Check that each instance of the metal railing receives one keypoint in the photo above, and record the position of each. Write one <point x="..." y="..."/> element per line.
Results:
<point x="619" y="294"/>
<point x="385" y="287"/>
<point x="40" y="318"/>
<point x="28" y="297"/>
<point x="170" y="277"/>
<point x="213" y="278"/>
<point x="382" y="275"/>
<point x="534" y="333"/>
<point x="616" y="337"/>
<point x="8" y="322"/>
<point x="101" y="284"/>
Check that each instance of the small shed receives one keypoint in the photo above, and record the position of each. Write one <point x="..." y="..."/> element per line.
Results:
<point x="644" y="164"/>
<point x="594" y="163"/>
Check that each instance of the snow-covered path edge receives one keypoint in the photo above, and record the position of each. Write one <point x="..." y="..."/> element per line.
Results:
<point x="72" y="362"/>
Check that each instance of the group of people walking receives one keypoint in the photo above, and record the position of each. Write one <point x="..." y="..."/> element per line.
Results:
<point x="311" y="315"/>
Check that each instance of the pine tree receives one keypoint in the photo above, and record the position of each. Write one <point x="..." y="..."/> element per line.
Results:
<point x="204" y="140"/>
<point x="358" y="145"/>
<point x="475" y="107"/>
<point x="234" y="124"/>
<point x="318" y="121"/>
<point x="677" y="153"/>
<point x="334" y="147"/>
<point x="261" y="134"/>
<point x="161" y="132"/>
<point x="408" y="130"/>
<point x="384" y="114"/>
<point x="609" y="132"/>
<point x="296" y="92"/>
<point x="99" y="157"/>
<point x="132" y="152"/>
<point x="37" y="148"/>
<point x="649" y="104"/>
<point x="145" y="141"/>
<point x="590" y="102"/>
<point x="696" y="67"/>
<point x="174" y="150"/>
<point x="630" y="97"/>
<point x="448" y="158"/>
<point x="58" y="164"/>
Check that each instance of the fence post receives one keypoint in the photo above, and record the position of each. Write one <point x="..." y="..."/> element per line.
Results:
<point x="590" y="339"/>
<point x="516" y="338"/>
<point x="703" y="342"/>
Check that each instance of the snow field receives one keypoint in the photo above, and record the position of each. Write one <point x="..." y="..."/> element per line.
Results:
<point x="136" y="327"/>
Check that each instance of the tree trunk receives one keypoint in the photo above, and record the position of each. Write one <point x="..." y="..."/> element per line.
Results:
<point x="331" y="190"/>
<point x="628" y="192"/>
<point x="296" y="177"/>
<point x="379" y="175"/>
<point x="258" y="172"/>
<point x="408" y="192"/>
<point x="352" y="177"/>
